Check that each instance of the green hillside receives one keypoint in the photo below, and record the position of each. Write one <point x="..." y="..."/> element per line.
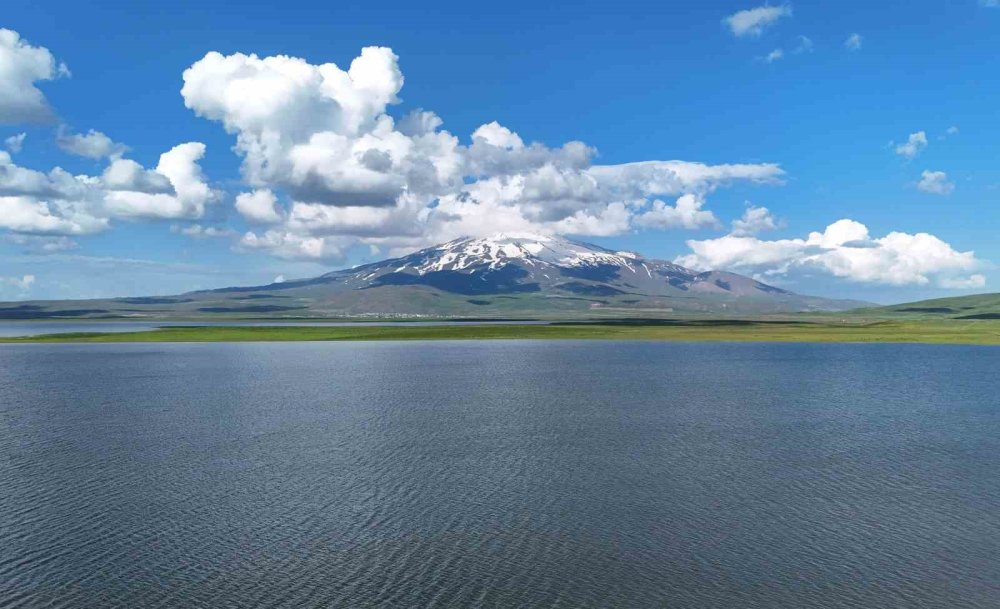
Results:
<point x="978" y="306"/>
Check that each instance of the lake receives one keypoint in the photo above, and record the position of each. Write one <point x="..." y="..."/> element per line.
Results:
<point x="499" y="474"/>
<point x="35" y="328"/>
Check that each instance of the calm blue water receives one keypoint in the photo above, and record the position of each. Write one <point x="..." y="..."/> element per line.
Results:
<point x="499" y="474"/>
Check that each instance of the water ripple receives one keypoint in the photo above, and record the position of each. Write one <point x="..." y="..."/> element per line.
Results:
<point x="498" y="474"/>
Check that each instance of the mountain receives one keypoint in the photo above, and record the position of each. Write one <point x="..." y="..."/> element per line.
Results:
<point x="504" y="275"/>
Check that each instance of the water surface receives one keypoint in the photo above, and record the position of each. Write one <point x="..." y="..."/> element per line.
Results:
<point x="499" y="474"/>
<point x="36" y="328"/>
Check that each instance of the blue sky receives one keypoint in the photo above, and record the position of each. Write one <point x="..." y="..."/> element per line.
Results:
<point x="881" y="113"/>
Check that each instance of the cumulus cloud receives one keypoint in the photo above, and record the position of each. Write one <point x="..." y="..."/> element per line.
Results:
<point x="805" y="45"/>
<point x="754" y="220"/>
<point x="127" y="175"/>
<point x="319" y="132"/>
<point x="34" y="216"/>
<point x="419" y="122"/>
<point x="753" y="22"/>
<point x="355" y="220"/>
<point x="845" y="250"/>
<point x="21" y="67"/>
<point x="685" y="213"/>
<point x="14" y="143"/>
<point x="191" y="193"/>
<point x="935" y="182"/>
<point x="854" y="42"/>
<point x="259" y="206"/>
<point x="322" y="138"/>
<point x="499" y="136"/>
<point x="913" y="146"/>
<point x="91" y="145"/>
<point x="288" y="245"/>
<point x="59" y="203"/>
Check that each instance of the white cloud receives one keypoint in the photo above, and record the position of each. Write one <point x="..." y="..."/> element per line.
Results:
<point x="126" y="174"/>
<point x="599" y="200"/>
<point x="685" y="213"/>
<point x="258" y="206"/>
<point x="14" y="143"/>
<point x="59" y="203"/>
<point x="953" y="130"/>
<point x="21" y="284"/>
<point x="844" y="250"/>
<point x="42" y="244"/>
<point x="34" y="216"/>
<point x="191" y="192"/>
<point x="753" y="22"/>
<point x="21" y="67"/>
<point x="319" y="132"/>
<point x="773" y="56"/>
<point x="291" y="246"/>
<point x="199" y="231"/>
<point x="645" y="178"/>
<point x="854" y="42"/>
<point x="355" y="220"/>
<point x="496" y="151"/>
<point x="805" y="45"/>
<point x="611" y="220"/>
<point x="989" y="3"/>
<point x="935" y="182"/>
<point x="497" y="135"/>
<point x="754" y="220"/>
<point x="913" y="146"/>
<point x="972" y="282"/>
<point x="323" y="138"/>
<point x="92" y="145"/>
<point x="420" y="122"/>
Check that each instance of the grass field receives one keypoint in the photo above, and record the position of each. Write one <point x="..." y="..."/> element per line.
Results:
<point x="909" y="331"/>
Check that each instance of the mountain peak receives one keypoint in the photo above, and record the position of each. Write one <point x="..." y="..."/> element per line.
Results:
<point x="508" y="271"/>
<point x="520" y="236"/>
<point x="532" y="249"/>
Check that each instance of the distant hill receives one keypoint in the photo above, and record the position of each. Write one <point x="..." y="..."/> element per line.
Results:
<point x="978" y="306"/>
<point x="502" y="276"/>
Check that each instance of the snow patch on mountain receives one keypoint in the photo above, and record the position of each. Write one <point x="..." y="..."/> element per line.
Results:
<point x="503" y="248"/>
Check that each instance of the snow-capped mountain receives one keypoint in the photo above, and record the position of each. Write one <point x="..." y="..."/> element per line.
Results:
<point x="530" y="263"/>
<point x="539" y="272"/>
<point x="521" y="263"/>
<point x="502" y="249"/>
<point x="512" y="276"/>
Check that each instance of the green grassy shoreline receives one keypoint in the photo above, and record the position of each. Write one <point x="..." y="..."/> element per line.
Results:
<point x="943" y="332"/>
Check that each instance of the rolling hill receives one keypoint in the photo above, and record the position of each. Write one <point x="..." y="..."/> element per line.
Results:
<point x="978" y="306"/>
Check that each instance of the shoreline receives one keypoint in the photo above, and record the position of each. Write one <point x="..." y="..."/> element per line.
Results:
<point x="928" y="332"/>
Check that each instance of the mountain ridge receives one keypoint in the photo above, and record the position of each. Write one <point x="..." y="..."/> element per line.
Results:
<point x="519" y="275"/>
